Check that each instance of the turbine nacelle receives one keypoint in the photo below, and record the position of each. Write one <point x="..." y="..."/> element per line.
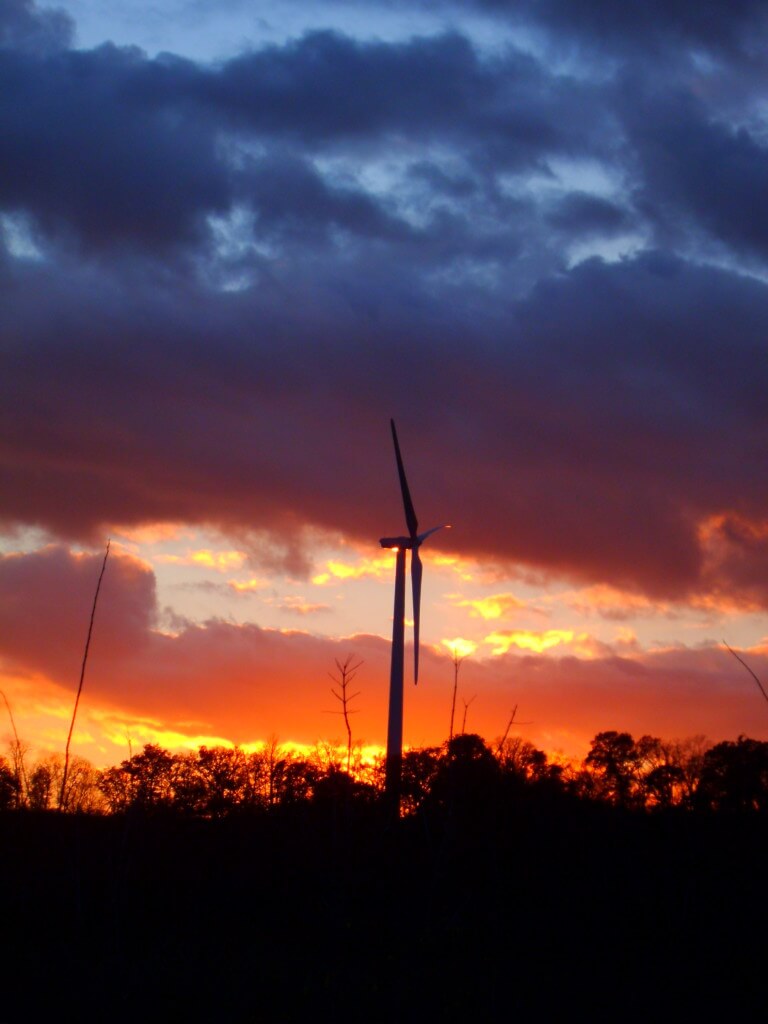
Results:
<point x="411" y="542"/>
<point x="398" y="542"/>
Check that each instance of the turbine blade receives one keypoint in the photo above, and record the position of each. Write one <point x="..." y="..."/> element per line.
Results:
<point x="410" y="515"/>
<point x="416" y="570"/>
<point x="428" y="533"/>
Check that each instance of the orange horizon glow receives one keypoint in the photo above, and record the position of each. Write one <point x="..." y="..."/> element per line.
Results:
<point x="183" y="681"/>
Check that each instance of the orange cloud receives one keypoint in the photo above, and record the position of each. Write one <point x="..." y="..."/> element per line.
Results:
<point x="612" y="603"/>
<point x="459" y="647"/>
<point x="379" y="567"/>
<point x="153" y="533"/>
<point x="222" y="561"/>
<point x="530" y="640"/>
<point x="464" y="568"/>
<point x="301" y="607"/>
<point x="220" y="681"/>
<point x="247" y="586"/>
<point x="493" y="607"/>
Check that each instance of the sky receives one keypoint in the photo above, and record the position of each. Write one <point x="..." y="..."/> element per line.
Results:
<point x="235" y="239"/>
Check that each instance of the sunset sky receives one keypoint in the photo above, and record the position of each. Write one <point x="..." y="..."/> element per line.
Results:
<point x="235" y="239"/>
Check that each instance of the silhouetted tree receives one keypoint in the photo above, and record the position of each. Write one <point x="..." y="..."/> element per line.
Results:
<point x="734" y="776"/>
<point x="269" y="765"/>
<point x="9" y="786"/>
<point x="467" y="779"/>
<point x="658" y="776"/>
<point x="662" y="785"/>
<point x="81" y="793"/>
<point x="42" y="791"/>
<point x="688" y="757"/>
<point x="613" y="762"/>
<point x="517" y="756"/>
<point x="419" y="769"/>
<point x="220" y="780"/>
<point x="19" y="751"/>
<point x="295" y="780"/>
<point x="145" y="781"/>
<point x="326" y="757"/>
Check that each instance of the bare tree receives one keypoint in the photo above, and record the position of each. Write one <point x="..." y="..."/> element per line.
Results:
<point x="347" y="670"/>
<point x="80" y="685"/>
<point x="82" y="792"/>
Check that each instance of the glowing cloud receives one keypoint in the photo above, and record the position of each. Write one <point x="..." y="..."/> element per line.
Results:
<point x="464" y="569"/>
<point x="378" y="567"/>
<point x="247" y="586"/>
<point x="612" y="603"/>
<point x="299" y="606"/>
<point x="223" y="561"/>
<point x="153" y="533"/>
<point x="493" y="607"/>
<point x="459" y="647"/>
<point x="529" y="640"/>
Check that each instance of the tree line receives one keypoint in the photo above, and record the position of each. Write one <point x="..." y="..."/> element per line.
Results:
<point x="646" y="774"/>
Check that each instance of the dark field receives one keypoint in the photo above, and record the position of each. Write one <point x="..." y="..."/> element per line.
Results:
<point x="550" y="907"/>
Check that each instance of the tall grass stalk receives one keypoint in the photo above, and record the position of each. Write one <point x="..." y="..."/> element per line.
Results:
<point x="18" y="756"/>
<point x="82" y="677"/>
<point x="746" y="666"/>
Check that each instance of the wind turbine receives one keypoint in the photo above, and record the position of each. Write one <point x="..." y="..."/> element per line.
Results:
<point x="412" y="542"/>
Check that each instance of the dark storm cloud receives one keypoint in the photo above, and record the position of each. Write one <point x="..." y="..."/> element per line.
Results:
<point x="326" y="88"/>
<point x="25" y="27"/>
<point x="698" y="173"/>
<point x="583" y="214"/>
<point x="638" y="25"/>
<point x="108" y="147"/>
<point x="592" y="429"/>
<point x="85" y="157"/>
<point x="394" y="232"/>
<point x="294" y="200"/>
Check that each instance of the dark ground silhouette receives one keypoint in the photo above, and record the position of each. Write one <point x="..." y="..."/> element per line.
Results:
<point x="491" y="900"/>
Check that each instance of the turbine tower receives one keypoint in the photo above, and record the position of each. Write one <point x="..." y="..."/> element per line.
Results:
<point x="412" y="542"/>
